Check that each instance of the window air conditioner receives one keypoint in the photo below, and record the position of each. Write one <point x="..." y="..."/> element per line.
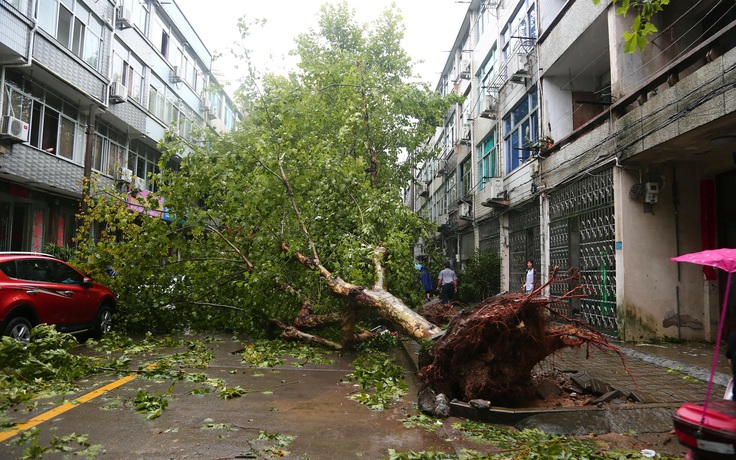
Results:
<point x="464" y="211"/>
<point x="125" y="18"/>
<point x="490" y="108"/>
<point x="125" y="175"/>
<point x="118" y="92"/>
<point x="176" y="74"/>
<point x="423" y="190"/>
<point x="495" y="185"/>
<point x="465" y="70"/>
<point x="140" y="183"/>
<point x="15" y="129"/>
<point x="467" y="128"/>
<point x="441" y="168"/>
<point x="208" y="111"/>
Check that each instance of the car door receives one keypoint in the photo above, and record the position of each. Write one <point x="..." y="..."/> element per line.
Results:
<point x="69" y="283"/>
<point x="54" y="302"/>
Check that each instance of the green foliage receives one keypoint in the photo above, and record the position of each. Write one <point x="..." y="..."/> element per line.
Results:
<point x="533" y="443"/>
<point x="642" y="26"/>
<point x="509" y="443"/>
<point x="423" y="421"/>
<point x="45" y="365"/>
<point x="58" y="444"/>
<point x="232" y="392"/>
<point x="381" y="381"/>
<point x="382" y="342"/>
<point x="270" y="445"/>
<point x="270" y="353"/>
<point x="350" y="109"/>
<point x="481" y="277"/>
<point x="60" y="252"/>
<point x="152" y="405"/>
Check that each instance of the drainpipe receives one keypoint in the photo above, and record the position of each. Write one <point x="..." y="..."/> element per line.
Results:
<point x="89" y="147"/>
<point x="675" y="203"/>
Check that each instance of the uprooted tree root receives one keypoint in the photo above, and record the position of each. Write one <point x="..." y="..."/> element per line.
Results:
<point x="490" y="350"/>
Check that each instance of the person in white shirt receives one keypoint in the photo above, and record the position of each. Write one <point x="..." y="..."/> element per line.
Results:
<point x="447" y="284"/>
<point x="528" y="285"/>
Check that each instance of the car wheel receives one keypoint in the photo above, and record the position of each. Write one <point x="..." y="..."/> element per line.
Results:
<point x="19" y="329"/>
<point x="103" y="323"/>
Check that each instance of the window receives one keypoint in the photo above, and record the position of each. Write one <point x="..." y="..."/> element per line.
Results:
<point x="487" y="160"/>
<point x="17" y="104"/>
<point x="62" y="273"/>
<point x="521" y="130"/>
<point x="451" y="187"/>
<point x="521" y="28"/>
<point x="74" y="26"/>
<point x="484" y="21"/>
<point x="138" y="12"/>
<point x="143" y="161"/>
<point x="54" y="124"/>
<point x="109" y="149"/>
<point x="159" y="35"/>
<point x="466" y="178"/>
<point x="19" y="5"/>
<point x="129" y="70"/>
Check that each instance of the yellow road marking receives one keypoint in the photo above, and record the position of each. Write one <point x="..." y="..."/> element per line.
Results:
<point x="50" y="414"/>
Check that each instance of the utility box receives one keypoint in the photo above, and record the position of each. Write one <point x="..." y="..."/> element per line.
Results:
<point x="651" y="192"/>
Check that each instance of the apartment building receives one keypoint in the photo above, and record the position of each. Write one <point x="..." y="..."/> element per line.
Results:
<point x="570" y="152"/>
<point x="90" y="87"/>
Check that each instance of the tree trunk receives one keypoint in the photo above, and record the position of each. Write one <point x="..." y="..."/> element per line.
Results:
<point x="378" y="299"/>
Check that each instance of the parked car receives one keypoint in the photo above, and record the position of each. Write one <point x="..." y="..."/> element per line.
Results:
<point x="38" y="288"/>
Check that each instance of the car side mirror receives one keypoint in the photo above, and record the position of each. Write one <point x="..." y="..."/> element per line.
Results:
<point x="87" y="282"/>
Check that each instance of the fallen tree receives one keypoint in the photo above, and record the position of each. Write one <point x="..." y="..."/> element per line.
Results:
<point x="489" y="350"/>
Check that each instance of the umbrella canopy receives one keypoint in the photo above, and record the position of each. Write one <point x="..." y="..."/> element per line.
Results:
<point x="725" y="259"/>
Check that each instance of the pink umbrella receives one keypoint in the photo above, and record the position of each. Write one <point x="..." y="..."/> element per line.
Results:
<point x="725" y="259"/>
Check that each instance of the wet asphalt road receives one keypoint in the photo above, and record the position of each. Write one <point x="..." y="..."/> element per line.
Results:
<point x="297" y="412"/>
<point x="310" y="404"/>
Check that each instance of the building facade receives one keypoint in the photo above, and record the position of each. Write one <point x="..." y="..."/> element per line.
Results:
<point x="570" y="152"/>
<point x="91" y="88"/>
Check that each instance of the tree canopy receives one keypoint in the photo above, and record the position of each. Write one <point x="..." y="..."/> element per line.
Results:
<point x="315" y="168"/>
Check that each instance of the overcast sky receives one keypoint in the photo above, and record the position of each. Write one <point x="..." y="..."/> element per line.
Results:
<point x="431" y="28"/>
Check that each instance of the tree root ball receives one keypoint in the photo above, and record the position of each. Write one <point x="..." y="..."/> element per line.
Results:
<point x="489" y="350"/>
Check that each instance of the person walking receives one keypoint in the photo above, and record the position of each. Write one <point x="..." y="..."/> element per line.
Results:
<point x="528" y="285"/>
<point x="426" y="280"/>
<point x="447" y="284"/>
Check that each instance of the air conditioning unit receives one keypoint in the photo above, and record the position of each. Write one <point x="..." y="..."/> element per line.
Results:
<point x="125" y="175"/>
<point x="118" y="92"/>
<point x="441" y="168"/>
<point x="177" y="74"/>
<point x="140" y="183"/>
<point x="208" y="111"/>
<point x="516" y="68"/>
<point x="495" y="186"/>
<point x="465" y="211"/>
<point x="465" y="70"/>
<point x="489" y="108"/>
<point x="423" y="190"/>
<point x="15" y="129"/>
<point x="124" y="18"/>
<point x="467" y="128"/>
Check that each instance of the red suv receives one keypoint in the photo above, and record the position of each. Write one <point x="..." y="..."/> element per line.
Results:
<point x="38" y="288"/>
